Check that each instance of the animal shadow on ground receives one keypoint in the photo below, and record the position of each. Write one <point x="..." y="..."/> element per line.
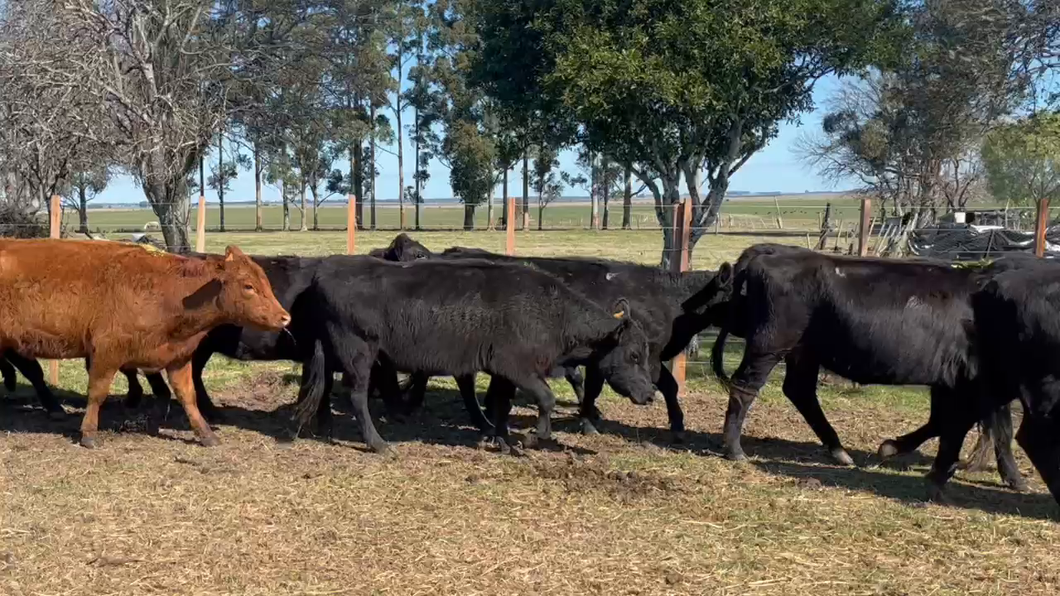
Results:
<point x="912" y="490"/>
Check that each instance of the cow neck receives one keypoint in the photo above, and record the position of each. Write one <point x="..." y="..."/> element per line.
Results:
<point x="192" y="276"/>
<point x="691" y="282"/>
<point x="589" y="340"/>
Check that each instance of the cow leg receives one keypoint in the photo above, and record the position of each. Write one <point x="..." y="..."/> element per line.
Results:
<point x="99" y="381"/>
<point x="749" y="378"/>
<point x="8" y="371"/>
<point x="800" y="386"/>
<point x="667" y="385"/>
<point x="500" y="394"/>
<point x="417" y="390"/>
<point x="546" y="403"/>
<point x="357" y="358"/>
<point x="576" y="380"/>
<point x="933" y="428"/>
<point x="384" y="379"/>
<point x="135" y="395"/>
<point x="1038" y="438"/>
<point x="589" y="414"/>
<point x="158" y="387"/>
<point x="998" y="426"/>
<point x="30" y="368"/>
<point x="180" y="377"/>
<point x="953" y="423"/>
<point x="466" y="383"/>
<point x="205" y="405"/>
<point x="978" y="462"/>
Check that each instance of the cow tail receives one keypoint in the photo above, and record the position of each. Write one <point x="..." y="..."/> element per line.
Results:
<point x="312" y="390"/>
<point x="717" y="358"/>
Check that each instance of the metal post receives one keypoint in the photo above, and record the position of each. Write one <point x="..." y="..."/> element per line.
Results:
<point x="351" y="225"/>
<point x="1039" y="230"/>
<point x="509" y="242"/>
<point x="866" y="225"/>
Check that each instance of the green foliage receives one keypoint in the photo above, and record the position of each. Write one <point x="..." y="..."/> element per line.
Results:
<point x="471" y="158"/>
<point x="1023" y="160"/>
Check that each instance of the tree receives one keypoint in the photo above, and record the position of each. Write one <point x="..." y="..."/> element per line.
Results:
<point x="911" y="134"/>
<point x="406" y="28"/>
<point x="84" y="186"/>
<point x="678" y="90"/>
<point x="222" y="174"/>
<point x="1022" y="160"/>
<point x="546" y="184"/>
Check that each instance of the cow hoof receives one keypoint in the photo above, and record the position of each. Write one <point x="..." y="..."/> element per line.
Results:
<point x="1019" y="485"/>
<point x="588" y="429"/>
<point x="91" y="442"/>
<point x="935" y="494"/>
<point x="736" y="456"/>
<point x="383" y="449"/>
<point x="887" y="450"/>
<point x="210" y="440"/>
<point x="841" y="456"/>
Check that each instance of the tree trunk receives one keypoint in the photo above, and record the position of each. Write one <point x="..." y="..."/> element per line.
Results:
<point x="540" y="214"/>
<point x="594" y="221"/>
<point x="316" y="207"/>
<point x="357" y="177"/>
<point x="221" y="178"/>
<point x="526" y="191"/>
<point x="469" y="217"/>
<point x="305" y="210"/>
<point x="416" y="197"/>
<point x="606" y="198"/>
<point x="400" y="154"/>
<point x="286" y="208"/>
<point x="257" y="189"/>
<point x="504" y="200"/>
<point x="665" y="207"/>
<point x="627" y="201"/>
<point x="489" y="211"/>
<point x="82" y="213"/>
<point x="371" y="164"/>
<point x="167" y="201"/>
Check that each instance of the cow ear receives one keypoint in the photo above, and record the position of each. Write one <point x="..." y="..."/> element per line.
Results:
<point x="232" y="253"/>
<point x="724" y="275"/>
<point x="203" y="295"/>
<point x="621" y="309"/>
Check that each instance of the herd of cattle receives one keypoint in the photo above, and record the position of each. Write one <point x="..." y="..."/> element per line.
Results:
<point x="979" y="336"/>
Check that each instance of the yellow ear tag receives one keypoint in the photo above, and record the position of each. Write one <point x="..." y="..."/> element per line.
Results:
<point x="619" y="314"/>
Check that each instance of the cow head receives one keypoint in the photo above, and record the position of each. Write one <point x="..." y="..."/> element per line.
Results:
<point x="624" y="357"/>
<point x="406" y="249"/>
<point x="244" y="296"/>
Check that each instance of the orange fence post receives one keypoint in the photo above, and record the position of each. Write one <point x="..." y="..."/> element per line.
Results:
<point x="679" y="263"/>
<point x="351" y="225"/>
<point x="509" y="241"/>
<point x="1039" y="230"/>
<point x="55" y="232"/>
<point x="200" y="226"/>
<point x="863" y="235"/>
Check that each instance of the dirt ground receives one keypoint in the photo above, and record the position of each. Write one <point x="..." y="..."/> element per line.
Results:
<point x="625" y="512"/>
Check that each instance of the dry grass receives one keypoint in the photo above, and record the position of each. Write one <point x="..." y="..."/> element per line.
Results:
<point x="621" y="513"/>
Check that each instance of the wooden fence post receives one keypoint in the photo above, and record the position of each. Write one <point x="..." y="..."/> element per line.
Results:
<point x="56" y="226"/>
<point x="351" y="225"/>
<point x="509" y="240"/>
<point x="1039" y="230"/>
<point x="200" y="226"/>
<point x="679" y="263"/>
<point x="866" y="227"/>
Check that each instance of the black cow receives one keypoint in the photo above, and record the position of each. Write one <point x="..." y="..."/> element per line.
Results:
<point x="656" y="297"/>
<point x="1018" y="336"/>
<point x="872" y="321"/>
<point x="401" y="249"/>
<point x="458" y="318"/>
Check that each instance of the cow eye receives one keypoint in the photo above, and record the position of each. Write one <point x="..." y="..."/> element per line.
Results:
<point x="248" y="288"/>
<point x="635" y="358"/>
<point x="421" y="256"/>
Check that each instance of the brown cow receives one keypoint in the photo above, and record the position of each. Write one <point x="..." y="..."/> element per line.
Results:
<point x="121" y="305"/>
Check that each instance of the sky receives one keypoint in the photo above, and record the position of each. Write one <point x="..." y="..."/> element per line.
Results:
<point x="776" y="168"/>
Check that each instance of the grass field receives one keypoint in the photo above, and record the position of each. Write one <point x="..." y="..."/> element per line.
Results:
<point x="796" y="213"/>
<point x="622" y="513"/>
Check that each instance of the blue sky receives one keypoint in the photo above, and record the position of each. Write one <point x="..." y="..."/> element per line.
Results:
<point x="774" y="168"/>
